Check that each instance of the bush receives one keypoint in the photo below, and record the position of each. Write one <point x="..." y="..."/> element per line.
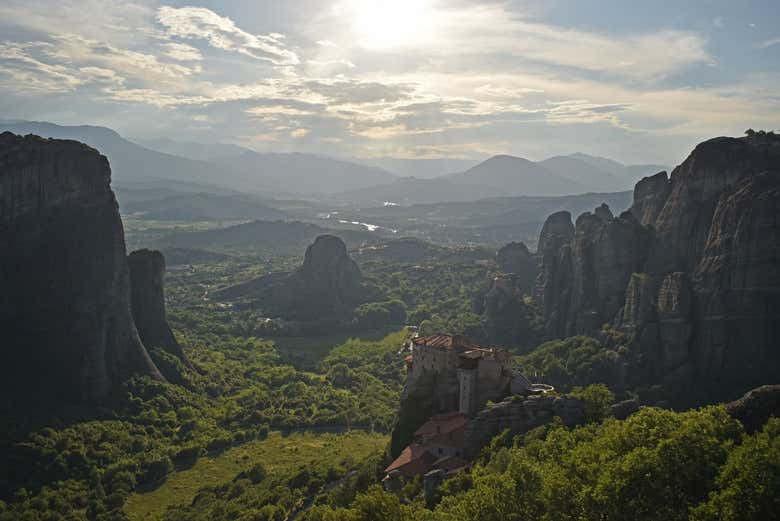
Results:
<point x="257" y="473"/>
<point x="597" y="398"/>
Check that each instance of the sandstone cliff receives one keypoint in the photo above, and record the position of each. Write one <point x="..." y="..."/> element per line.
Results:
<point x="147" y="268"/>
<point x="65" y="317"/>
<point x="691" y="273"/>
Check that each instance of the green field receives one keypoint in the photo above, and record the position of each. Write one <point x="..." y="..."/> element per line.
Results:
<point x="305" y="352"/>
<point x="281" y="455"/>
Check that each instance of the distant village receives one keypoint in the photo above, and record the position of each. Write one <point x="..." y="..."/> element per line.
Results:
<point x="467" y="376"/>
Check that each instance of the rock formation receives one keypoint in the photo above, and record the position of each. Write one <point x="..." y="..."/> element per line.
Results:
<point x="553" y="286"/>
<point x="508" y="319"/>
<point x="583" y="280"/>
<point x="328" y="284"/>
<point x="514" y="258"/>
<point x="650" y="195"/>
<point x="756" y="407"/>
<point x="147" y="268"/>
<point x="68" y="333"/>
<point x="691" y="273"/>
<point x="519" y="416"/>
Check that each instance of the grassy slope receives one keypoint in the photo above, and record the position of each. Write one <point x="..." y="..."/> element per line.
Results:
<point x="281" y="455"/>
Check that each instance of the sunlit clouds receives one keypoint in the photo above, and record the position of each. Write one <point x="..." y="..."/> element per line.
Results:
<point x="423" y="78"/>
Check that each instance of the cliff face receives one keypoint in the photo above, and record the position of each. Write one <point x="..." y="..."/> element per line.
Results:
<point x="514" y="258"/>
<point x="147" y="268"/>
<point x="65" y="313"/>
<point x="583" y="279"/>
<point x="691" y="273"/>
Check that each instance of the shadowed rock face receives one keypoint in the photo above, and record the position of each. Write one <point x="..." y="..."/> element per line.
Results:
<point x="756" y="407"/>
<point x="327" y="285"/>
<point x="328" y="282"/>
<point x="691" y="273"/>
<point x="147" y="269"/>
<point x="650" y="195"/>
<point x="583" y="280"/>
<point x="516" y="259"/>
<point x="65" y="318"/>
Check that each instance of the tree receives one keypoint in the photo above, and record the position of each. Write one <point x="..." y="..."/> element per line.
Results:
<point x="749" y="481"/>
<point x="597" y="398"/>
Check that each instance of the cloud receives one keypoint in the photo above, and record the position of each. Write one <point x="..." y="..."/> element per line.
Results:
<point x="101" y="75"/>
<point x="222" y="33"/>
<point x="24" y="70"/>
<point x="182" y="52"/>
<point x="73" y="48"/>
<point x="332" y="63"/>
<point x="276" y="110"/>
<point x="768" y="43"/>
<point x="583" y="111"/>
<point x="461" y="33"/>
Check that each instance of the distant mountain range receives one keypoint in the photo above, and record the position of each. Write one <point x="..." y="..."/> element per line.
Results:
<point x="241" y="169"/>
<point x="211" y="168"/>
<point x="419" y="168"/>
<point x="509" y="176"/>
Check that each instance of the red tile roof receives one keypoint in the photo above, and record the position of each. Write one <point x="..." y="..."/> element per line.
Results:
<point x="441" y="424"/>
<point x="414" y="460"/>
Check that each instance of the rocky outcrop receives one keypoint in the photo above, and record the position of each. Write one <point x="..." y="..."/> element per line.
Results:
<point x="756" y="407"/>
<point x="691" y="273"/>
<point x="583" y="282"/>
<point x="554" y="283"/>
<point x="328" y="284"/>
<point x="624" y="409"/>
<point x="508" y="319"/>
<point x="147" y="269"/>
<point x="514" y="258"/>
<point x="650" y="195"/>
<point x="68" y="333"/>
<point x="519" y="416"/>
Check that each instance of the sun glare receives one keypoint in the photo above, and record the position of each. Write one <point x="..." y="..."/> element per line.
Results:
<point x="384" y="24"/>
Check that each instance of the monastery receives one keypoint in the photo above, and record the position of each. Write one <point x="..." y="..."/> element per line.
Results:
<point x="466" y="377"/>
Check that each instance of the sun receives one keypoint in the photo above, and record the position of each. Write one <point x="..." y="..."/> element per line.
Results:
<point x="387" y="24"/>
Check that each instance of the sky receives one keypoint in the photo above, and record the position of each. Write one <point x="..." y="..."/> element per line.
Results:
<point x="641" y="82"/>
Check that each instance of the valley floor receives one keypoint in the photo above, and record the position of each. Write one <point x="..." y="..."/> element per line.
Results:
<point x="281" y="454"/>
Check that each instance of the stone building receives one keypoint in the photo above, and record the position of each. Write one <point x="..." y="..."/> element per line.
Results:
<point x="460" y="378"/>
<point x="467" y="375"/>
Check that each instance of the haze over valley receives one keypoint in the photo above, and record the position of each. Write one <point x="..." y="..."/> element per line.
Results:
<point x="360" y="260"/>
